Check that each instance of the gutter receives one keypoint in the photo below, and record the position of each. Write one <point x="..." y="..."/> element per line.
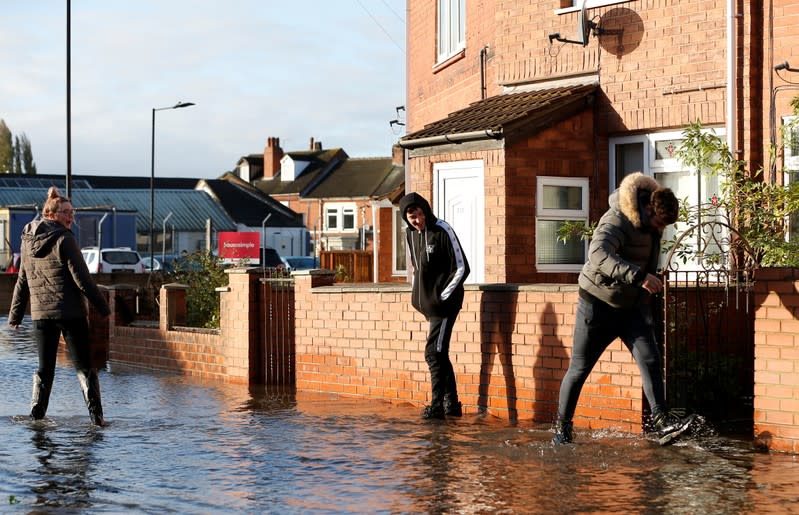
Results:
<point x="461" y="137"/>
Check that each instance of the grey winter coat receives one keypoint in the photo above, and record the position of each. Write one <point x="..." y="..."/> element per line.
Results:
<point x="53" y="276"/>
<point x="623" y="248"/>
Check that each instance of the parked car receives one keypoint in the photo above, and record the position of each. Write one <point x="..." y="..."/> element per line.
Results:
<point x="301" y="262"/>
<point x="119" y="259"/>
<point x="157" y="264"/>
<point x="13" y="265"/>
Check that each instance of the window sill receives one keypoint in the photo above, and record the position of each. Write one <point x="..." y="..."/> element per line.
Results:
<point x="449" y="61"/>
<point x="590" y="4"/>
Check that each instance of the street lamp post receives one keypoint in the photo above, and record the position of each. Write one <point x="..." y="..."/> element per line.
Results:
<point x="152" y="177"/>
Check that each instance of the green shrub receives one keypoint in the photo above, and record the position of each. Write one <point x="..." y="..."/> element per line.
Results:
<point x="203" y="273"/>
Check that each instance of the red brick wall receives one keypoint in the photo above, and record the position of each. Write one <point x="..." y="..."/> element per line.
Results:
<point x="667" y="47"/>
<point x="510" y="349"/>
<point x="227" y="354"/>
<point x="777" y="359"/>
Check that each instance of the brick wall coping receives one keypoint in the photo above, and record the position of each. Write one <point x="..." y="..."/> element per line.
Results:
<point x="405" y="287"/>
<point x="195" y="330"/>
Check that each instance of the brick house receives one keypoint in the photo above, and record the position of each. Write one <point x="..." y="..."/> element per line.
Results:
<point x="515" y="125"/>
<point x="346" y="203"/>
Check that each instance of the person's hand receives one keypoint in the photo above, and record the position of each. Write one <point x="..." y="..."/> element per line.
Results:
<point x="13" y="326"/>
<point x="652" y="284"/>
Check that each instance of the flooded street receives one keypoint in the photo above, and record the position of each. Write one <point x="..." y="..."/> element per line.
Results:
<point x="175" y="445"/>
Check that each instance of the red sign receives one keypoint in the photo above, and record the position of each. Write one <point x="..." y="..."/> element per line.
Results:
<point x="240" y="247"/>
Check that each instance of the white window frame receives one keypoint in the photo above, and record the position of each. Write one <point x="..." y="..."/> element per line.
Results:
<point x="790" y="164"/>
<point x="791" y="161"/>
<point x="653" y="166"/>
<point x="398" y="227"/>
<point x="450" y="28"/>
<point x="561" y="215"/>
<point x="339" y="210"/>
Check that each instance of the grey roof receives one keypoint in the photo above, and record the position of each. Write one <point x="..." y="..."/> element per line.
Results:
<point x="190" y="208"/>
<point x="529" y="111"/>
<point x="320" y="162"/>
<point x="354" y="178"/>
<point x="249" y="206"/>
<point x="95" y="182"/>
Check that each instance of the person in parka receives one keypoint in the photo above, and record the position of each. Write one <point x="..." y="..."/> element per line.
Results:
<point x="439" y="271"/>
<point x="53" y="276"/>
<point x="615" y="286"/>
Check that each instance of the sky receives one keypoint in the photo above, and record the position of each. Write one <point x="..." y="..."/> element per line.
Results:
<point x="331" y="70"/>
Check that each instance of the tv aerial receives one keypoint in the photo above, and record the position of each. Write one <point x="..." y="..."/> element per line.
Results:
<point x="584" y="29"/>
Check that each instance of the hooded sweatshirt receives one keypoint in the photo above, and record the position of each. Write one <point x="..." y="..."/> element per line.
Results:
<point x="624" y="247"/>
<point x="439" y="264"/>
<point x="53" y="276"/>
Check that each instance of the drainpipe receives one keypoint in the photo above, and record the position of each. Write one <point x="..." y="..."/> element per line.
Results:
<point x="732" y="92"/>
<point x="483" y="59"/>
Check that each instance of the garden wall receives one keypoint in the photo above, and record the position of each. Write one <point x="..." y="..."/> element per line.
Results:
<point x="510" y="348"/>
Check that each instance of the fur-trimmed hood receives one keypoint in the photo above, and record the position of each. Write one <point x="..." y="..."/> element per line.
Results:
<point x="634" y="192"/>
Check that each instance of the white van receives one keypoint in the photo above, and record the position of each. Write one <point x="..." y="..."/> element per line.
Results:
<point x="119" y="259"/>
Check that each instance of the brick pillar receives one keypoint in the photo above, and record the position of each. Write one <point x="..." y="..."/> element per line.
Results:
<point x="239" y="325"/>
<point x="173" y="309"/>
<point x="776" y="415"/>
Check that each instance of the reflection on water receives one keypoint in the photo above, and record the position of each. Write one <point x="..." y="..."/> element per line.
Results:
<point x="174" y="445"/>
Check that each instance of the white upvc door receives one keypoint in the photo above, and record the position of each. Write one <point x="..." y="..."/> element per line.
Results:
<point x="458" y="199"/>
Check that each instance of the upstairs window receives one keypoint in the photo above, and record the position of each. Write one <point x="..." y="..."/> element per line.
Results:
<point x="340" y="217"/>
<point x="451" y="28"/>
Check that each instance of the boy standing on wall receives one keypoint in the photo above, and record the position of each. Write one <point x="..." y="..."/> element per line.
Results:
<point x="439" y="271"/>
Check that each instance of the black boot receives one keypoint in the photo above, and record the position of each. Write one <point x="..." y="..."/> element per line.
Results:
<point x="40" y="397"/>
<point x="433" y="411"/>
<point x="452" y="408"/>
<point x="668" y="426"/>
<point x="90" y="386"/>
<point x="564" y="432"/>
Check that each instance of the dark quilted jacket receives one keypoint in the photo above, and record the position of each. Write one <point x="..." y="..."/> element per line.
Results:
<point x="623" y="248"/>
<point x="53" y="276"/>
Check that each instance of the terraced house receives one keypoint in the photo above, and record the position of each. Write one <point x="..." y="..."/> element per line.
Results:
<point x="522" y="114"/>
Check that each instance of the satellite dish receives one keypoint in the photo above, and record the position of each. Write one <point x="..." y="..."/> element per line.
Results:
<point x="583" y="25"/>
<point x="584" y="28"/>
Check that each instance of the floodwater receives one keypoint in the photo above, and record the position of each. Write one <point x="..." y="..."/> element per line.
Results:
<point x="175" y="445"/>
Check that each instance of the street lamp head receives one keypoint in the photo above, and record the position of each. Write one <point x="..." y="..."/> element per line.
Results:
<point x="182" y="104"/>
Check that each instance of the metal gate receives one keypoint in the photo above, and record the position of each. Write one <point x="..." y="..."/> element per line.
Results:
<point x="277" y="349"/>
<point x="708" y="326"/>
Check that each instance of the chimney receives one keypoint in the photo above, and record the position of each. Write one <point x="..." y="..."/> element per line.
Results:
<point x="272" y="156"/>
<point x="315" y="145"/>
<point x="397" y="155"/>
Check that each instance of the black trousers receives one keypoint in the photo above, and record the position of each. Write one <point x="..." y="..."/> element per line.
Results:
<point x="47" y="333"/>
<point x="596" y="326"/>
<point x="436" y="353"/>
